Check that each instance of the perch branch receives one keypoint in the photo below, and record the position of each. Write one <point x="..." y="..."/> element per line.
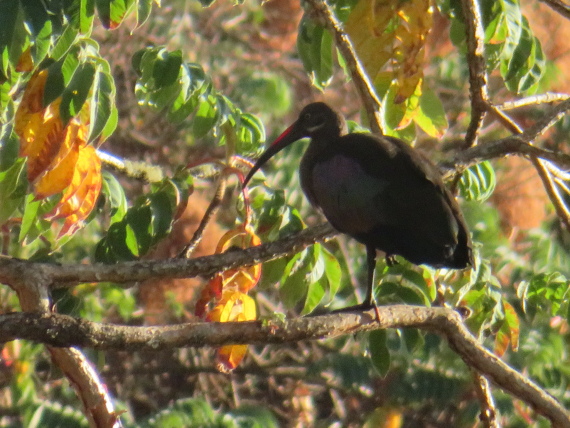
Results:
<point x="62" y="330"/>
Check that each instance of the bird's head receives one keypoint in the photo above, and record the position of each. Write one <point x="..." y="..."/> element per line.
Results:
<point x="316" y="121"/>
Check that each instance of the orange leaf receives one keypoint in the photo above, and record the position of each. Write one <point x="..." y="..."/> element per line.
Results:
<point x="39" y="128"/>
<point x="81" y="195"/>
<point x="233" y="306"/>
<point x="25" y="62"/>
<point x="59" y="173"/>
<point x="244" y="278"/>
<point x="228" y="357"/>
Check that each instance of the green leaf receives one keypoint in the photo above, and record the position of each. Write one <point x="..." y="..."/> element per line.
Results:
<point x="115" y="195"/>
<point x="144" y="8"/>
<point x="431" y="115"/>
<point x="10" y="17"/>
<point x="112" y="12"/>
<point x="521" y="53"/>
<point x="13" y="185"/>
<point x="315" y="46"/>
<point x="166" y="68"/>
<point x="478" y="182"/>
<point x="38" y="22"/>
<point x="206" y="117"/>
<point x="333" y="272"/>
<point x="251" y="134"/>
<point x="13" y="35"/>
<point x="161" y="215"/>
<point x="76" y="93"/>
<point x="64" y="42"/>
<point x="31" y="208"/>
<point x="294" y="285"/>
<point x="315" y="294"/>
<point x="412" y="338"/>
<point x="9" y="147"/>
<point x="379" y="352"/>
<point x="102" y="105"/>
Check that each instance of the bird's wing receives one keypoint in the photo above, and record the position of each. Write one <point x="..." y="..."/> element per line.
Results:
<point x="368" y="183"/>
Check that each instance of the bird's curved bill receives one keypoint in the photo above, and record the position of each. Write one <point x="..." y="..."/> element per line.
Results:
<point x="290" y="135"/>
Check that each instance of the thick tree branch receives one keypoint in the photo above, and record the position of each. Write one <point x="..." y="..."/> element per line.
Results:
<point x="32" y="289"/>
<point x="365" y="88"/>
<point x="18" y="273"/>
<point x="62" y="330"/>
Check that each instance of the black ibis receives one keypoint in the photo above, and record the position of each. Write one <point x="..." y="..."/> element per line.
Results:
<point x="378" y="190"/>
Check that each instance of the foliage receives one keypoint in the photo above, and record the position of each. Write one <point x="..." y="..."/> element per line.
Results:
<point x="65" y="97"/>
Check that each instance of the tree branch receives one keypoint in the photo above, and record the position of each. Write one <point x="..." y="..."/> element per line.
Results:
<point x="18" y="273"/>
<point x="477" y="69"/>
<point x="62" y="330"/>
<point x="208" y="215"/>
<point x="137" y="170"/>
<point x="559" y="6"/>
<point x="488" y="414"/>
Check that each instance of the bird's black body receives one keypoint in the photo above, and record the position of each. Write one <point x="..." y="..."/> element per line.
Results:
<point x="378" y="190"/>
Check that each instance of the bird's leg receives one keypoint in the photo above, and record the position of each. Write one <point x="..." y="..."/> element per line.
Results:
<point x="369" y="300"/>
<point x="371" y="266"/>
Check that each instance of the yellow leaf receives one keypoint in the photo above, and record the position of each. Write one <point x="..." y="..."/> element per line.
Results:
<point x="392" y="34"/>
<point x="233" y="306"/>
<point x="81" y="195"/>
<point x="59" y="173"/>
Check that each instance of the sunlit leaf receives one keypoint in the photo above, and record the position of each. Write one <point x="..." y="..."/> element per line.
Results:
<point x="478" y="182"/>
<point x="81" y="195"/>
<point x="315" y="47"/>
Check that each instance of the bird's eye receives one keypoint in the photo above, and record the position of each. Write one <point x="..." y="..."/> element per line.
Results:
<point x="307" y="117"/>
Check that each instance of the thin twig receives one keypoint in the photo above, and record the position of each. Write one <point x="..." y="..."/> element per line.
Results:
<point x="477" y="69"/>
<point x="206" y="218"/>
<point x="513" y="145"/>
<point x="505" y="120"/>
<point x="365" y="88"/>
<point x="541" y="165"/>
<point x="541" y="126"/>
<point x="137" y="170"/>
<point x="547" y="98"/>
<point x="552" y="191"/>
<point x="559" y="6"/>
<point x="489" y="414"/>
